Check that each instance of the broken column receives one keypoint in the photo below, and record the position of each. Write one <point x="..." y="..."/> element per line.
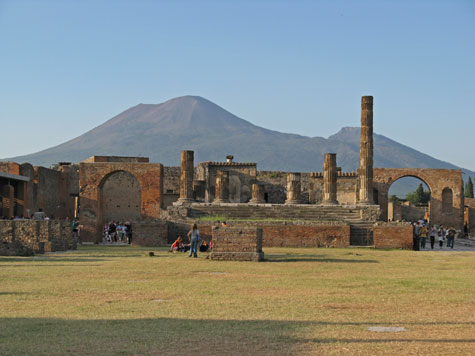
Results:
<point x="366" y="151"/>
<point x="222" y="187"/>
<point x="293" y="188"/>
<point x="186" y="177"/>
<point x="258" y="194"/>
<point x="330" y="175"/>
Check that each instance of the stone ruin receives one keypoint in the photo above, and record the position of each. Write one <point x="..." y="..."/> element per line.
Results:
<point x="328" y="208"/>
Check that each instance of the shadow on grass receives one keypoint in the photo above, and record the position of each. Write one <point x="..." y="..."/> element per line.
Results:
<point x="311" y="258"/>
<point x="170" y="336"/>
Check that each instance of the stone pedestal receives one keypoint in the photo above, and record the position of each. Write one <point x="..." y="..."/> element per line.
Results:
<point x="330" y="175"/>
<point x="366" y="151"/>
<point x="293" y="188"/>
<point x="237" y="244"/>
<point x="186" y="177"/>
<point x="258" y="192"/>
<point x="222" y="187"/>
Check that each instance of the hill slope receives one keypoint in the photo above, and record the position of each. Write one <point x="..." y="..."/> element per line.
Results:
<point x="161" y="131"/>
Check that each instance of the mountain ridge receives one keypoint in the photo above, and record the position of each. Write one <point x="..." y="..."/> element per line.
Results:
<point x="161" y="131"/>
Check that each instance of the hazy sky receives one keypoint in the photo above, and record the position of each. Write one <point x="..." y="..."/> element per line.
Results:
<point x="291" y="66"/>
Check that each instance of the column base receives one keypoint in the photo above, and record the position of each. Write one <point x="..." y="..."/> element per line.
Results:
<point x="292" y="202"/>
<point x="220" y="201"/>
<point x="331" y="203"/>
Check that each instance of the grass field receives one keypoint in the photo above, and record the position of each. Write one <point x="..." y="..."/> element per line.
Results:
<point x="119" y="301"/>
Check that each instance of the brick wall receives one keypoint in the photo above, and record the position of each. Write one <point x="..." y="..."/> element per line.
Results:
<point x="305" y="235"/>
<point x="278" y="234"/>
<point x="150" y="233"/>
<point x="392" y="235"/>
<point x="237" y="244"/>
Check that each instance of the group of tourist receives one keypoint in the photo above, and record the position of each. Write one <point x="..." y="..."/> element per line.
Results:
<point x="118" y="232"/>
<point x="423" y="231"/>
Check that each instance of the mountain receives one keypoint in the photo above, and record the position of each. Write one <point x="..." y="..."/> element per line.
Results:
<point x="161" y="131"/>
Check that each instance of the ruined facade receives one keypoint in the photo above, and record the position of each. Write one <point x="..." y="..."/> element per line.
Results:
<point x="117" y="190"/>
<point x="343" y="205"/>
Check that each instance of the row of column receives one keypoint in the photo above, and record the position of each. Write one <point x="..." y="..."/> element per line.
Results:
<point x="222" y="183"/>
<point x="293" y="183"/>
<point x="293" y="179"/>
<point x="330" y="175"/>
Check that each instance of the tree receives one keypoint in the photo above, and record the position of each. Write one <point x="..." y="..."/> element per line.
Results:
<point x="469" y="188"/>
<point x="393" y="198"/>
<point x="420" y="194"/>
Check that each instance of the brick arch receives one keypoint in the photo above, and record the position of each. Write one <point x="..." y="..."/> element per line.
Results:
<point x="92" y="177"/>
<point x="436" y="179"/>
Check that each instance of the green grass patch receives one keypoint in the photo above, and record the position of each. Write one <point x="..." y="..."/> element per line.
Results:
<point x="111" y="300"/>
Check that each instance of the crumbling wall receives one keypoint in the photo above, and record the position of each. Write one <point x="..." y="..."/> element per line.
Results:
<point x="39" y="236"/>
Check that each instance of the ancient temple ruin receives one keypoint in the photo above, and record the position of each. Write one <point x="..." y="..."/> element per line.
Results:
<point x="327" y="207"/>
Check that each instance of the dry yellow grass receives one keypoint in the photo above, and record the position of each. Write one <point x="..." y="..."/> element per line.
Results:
<point x="118" y="301"/>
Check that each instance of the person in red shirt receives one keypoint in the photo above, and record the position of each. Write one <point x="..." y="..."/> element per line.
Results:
<point x="177" y="245"/>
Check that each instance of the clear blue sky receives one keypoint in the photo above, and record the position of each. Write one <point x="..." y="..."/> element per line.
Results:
<point x="291" y="66"/>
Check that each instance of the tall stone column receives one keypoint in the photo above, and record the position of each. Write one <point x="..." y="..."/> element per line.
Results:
<point x="293" y="188"/>
<point x="366" y="151"/>
<point x="329" y="179"/>
<point x="186" y="176"/>
<point x="258" y="193"/>
<point x="222" y="187"/>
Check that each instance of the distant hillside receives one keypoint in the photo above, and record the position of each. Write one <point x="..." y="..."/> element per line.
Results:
<point x="161" y="131"/>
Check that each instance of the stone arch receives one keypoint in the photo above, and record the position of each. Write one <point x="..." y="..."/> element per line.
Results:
<point x="120" y="197"/>
<point x="410" y="213"/>
<point x="436" y="179"/>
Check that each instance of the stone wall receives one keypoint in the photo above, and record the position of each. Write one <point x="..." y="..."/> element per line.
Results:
<point x="237" y="244"/>
<point x="150" y="233"/>
<point x="47" y="190"/>
<point x="38" y="235"/>
<point x="311" y="187"/>
<point x="171" y="180"/>
<point x="469" y="217"/>
<point x="392" y="235"/>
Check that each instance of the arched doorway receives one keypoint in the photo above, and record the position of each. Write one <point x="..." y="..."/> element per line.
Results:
<point x="120" y="197"/>
<point x="409" y="199"/>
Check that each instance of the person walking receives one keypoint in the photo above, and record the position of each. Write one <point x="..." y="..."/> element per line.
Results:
<point x="432" y="235"/>
<point x="416" y="236"/>
<point x="441" y="236"/>
<point x="194" y="237"/>
<point x="451" y="237"/>
<point x="423" y="233"/>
